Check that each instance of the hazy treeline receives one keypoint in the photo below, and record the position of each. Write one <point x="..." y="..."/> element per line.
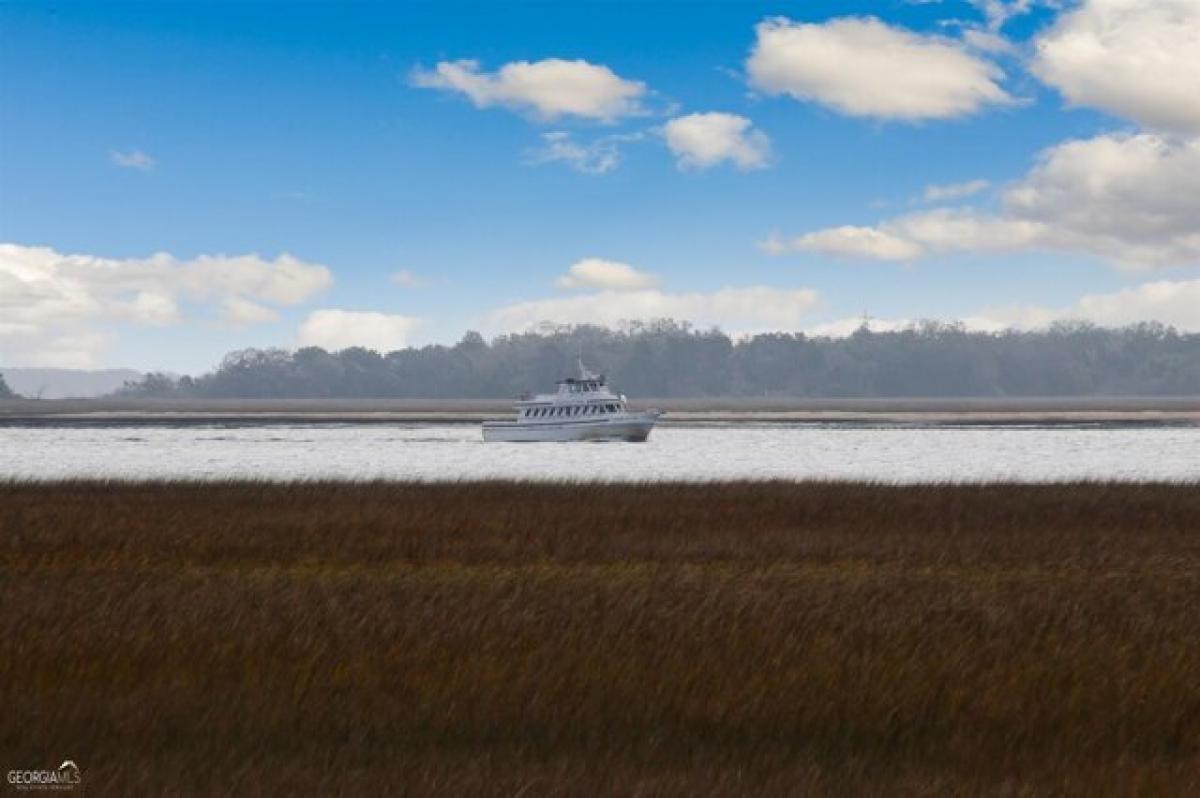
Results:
<point x="668" y="358"/>
<point x="5" y="391"/>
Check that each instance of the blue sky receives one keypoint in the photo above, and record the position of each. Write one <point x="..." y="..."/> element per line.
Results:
<point x="751" y="165"/>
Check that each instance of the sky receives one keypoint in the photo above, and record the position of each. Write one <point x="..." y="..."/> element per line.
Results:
<point x="183" y="179"/>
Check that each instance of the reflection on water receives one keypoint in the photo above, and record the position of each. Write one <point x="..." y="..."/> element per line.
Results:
<point x="781" y="451"/>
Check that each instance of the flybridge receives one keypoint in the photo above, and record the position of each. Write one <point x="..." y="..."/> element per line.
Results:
<point x="573" y="385"/>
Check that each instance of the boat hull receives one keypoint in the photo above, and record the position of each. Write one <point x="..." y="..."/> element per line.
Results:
<point x="632" y="428"/>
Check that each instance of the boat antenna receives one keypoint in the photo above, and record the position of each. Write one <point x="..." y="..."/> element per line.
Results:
<point x="584" y="374"/>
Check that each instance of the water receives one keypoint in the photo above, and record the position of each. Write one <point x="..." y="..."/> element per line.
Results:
<point x="741" y="451"/>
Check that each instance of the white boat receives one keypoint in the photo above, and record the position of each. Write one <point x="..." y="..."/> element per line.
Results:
<point x="582" y="409"/>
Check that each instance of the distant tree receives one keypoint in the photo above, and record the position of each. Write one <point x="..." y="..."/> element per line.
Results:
<point x="153" y="386"/>
<point x="668" y="358"/>
<point x="5" y="391"/>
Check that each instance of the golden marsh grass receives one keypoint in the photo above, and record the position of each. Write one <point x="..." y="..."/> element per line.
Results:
<point x="511" y="638"/>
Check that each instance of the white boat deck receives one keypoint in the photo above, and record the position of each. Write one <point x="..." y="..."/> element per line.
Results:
<point x="582" y="409"/>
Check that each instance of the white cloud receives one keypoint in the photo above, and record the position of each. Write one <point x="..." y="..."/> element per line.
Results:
<point x="987" y="42"/>
<point x="134" y="159"/>
<point x="151" y="308"/>
<point x="863" y="67"/>
<point x="550" y="88"/>
<point x="1137" y="59"/>
<point x="595" y="158"/>
<point x="406" y="279"/>
<point x="850" y="241"/>
<point x="753" y="308"/>
<point x="952" y="191"/>
<point x="1133" y="200"/>
<point x="999" y="12"/>
<point x="840" y="328"/>
<point x="283" y="281"/>
<point x="1176" y="303"/>
<point x="335" y="329"/>
<point x="58" y="309"/>
<point x="242" y="312"/>
<point x="606" y="274"/>
<point x="699" y="141"/>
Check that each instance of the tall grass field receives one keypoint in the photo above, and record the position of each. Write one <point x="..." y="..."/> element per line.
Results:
<point x="540" y="639"/>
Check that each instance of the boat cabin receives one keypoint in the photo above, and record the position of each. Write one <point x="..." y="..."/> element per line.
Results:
<point x="582" y="385"/>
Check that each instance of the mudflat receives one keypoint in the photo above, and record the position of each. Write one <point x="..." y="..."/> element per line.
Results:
<point x="900" y="410"/>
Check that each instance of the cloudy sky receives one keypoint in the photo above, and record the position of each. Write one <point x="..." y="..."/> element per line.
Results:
<point x="178" y="180"/>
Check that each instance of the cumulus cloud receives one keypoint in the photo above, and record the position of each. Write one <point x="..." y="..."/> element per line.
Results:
<point x="59" y="309"/>
<point x="699" y="141"/>
<point x="550" y="88"/>
<point x="406" y="279"/>
<point x="1133" y="200"/>
<point x="335" y="329"/>
<point x="1174" y="303"/>
<point x="999" y="12"/>
<point x="850" y="241"/>
<point x="863" y="67"/>
<point x="840" y="328"/>
<point x="606" y="274"/>
<point x="242" y="312"/>
<point x="593" y="158"/>
<point x="1137" y="59"/>
<point x="1171" y="302"/>
<point x="133" y="159"/>
<point x="753" y="308"/>
<point x="953" y="191"/>
<point x="988" y="42"/>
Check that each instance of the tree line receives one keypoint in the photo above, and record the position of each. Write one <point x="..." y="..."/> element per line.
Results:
<point x="667" y="358"/>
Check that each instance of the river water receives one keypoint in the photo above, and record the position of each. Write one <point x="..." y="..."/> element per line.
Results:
<point x="699" y="452"/>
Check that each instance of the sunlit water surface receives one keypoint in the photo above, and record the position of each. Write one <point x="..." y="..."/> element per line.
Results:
<point x="734" y="451"/>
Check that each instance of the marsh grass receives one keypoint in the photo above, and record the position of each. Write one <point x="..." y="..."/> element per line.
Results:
<point x="512" y="638"/>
